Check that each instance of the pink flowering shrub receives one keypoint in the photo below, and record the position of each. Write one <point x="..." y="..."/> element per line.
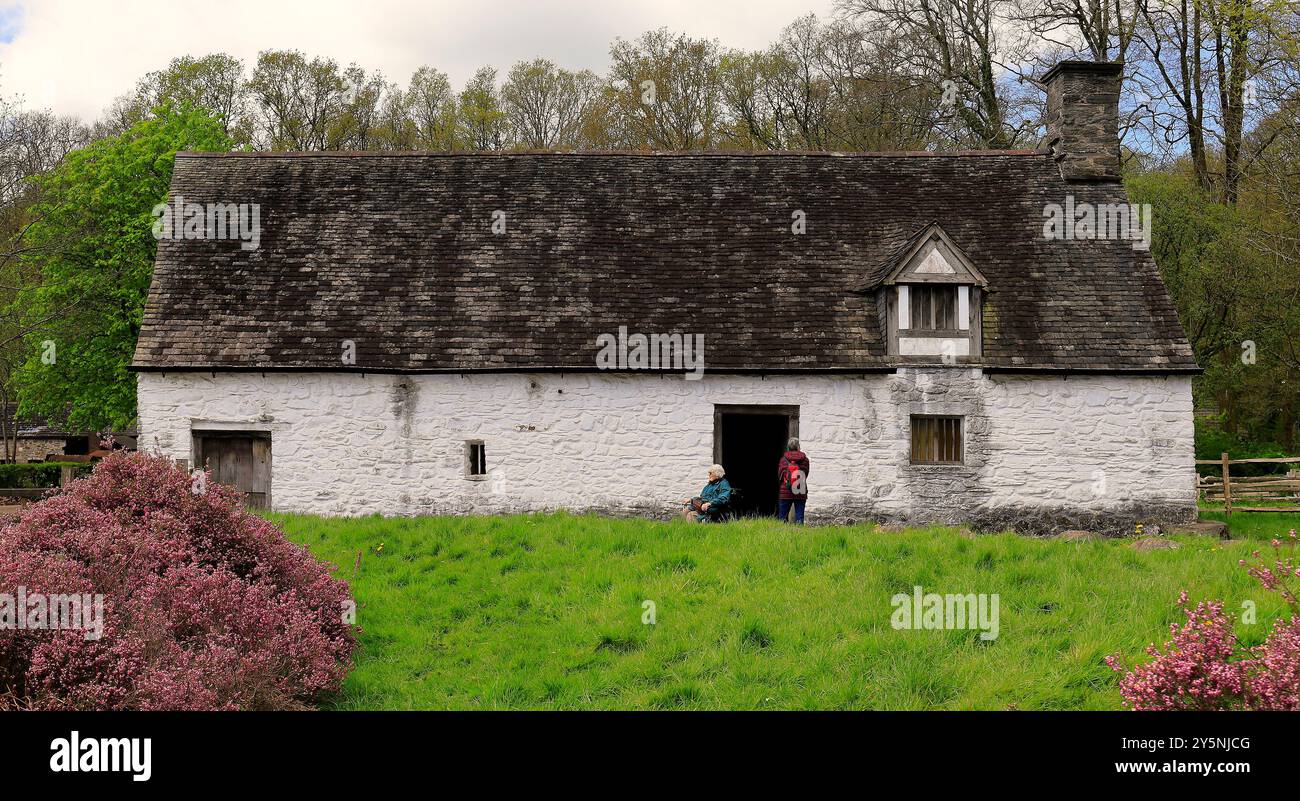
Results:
<point x="1205" y="667"/>
<point x="204" y="605"/>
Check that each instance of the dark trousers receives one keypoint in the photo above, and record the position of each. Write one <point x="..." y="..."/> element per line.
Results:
<point x="783" y="509"/>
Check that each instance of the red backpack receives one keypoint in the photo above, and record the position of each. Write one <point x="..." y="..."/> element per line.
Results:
<point x="792" y="473"/>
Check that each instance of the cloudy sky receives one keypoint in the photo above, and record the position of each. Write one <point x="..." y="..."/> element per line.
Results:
<point x="75" y="56"/>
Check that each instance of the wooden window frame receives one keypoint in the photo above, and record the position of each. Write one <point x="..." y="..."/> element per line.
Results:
<point x="475" y="457"/>
<point x="937" y="430"/>
<point x="931" y="292"/>
<point x="891" y="311"/>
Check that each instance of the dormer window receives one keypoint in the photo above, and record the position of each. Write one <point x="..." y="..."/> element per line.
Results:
<point x="933" y="307"/>
<point x="931" y="295"/>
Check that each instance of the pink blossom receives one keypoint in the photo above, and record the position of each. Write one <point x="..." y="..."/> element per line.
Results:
<point x="1203" y="666"/>
<point x="205" y="605"/>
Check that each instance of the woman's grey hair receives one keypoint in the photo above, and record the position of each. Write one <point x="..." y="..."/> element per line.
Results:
<point x="718" y="471"/>
<point x="793" y="444"/>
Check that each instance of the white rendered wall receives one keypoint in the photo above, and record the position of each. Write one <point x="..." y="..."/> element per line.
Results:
<point x="933" y="346"/>
<point x="350" y="444"/>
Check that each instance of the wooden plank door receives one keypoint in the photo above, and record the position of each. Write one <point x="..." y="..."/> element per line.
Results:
<point x="239" y="459"/>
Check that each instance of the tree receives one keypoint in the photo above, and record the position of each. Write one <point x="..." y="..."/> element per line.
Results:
<point x="214" y="82"/>
<point x="432" y="106"/>
<point x="1204" y="67"/>
<point x="357" y="121"/>
<point x="962" y="50"/>
<point x="120" y="115"/>
<point x="91" y="242"/>
<point x="825" y="87"/>
<point x="393" y="128"/>
<point x="546" y="107"/>
<point x="783" y="96"/>
<point x="1236" y="301"/>
<point x="480" y="122"/>
<point x="31" y="143"/>
<point x="1095" y="30"/>
<point x="666" y="92"/>
<point x="297" y="102"/>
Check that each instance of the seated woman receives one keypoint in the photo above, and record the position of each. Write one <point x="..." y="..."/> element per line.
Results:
<point x="712" y="499"/>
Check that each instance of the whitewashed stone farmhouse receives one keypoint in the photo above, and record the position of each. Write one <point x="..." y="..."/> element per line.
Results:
<point x="420" y="333"/>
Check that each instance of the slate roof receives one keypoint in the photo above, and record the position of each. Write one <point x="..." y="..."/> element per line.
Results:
<point x="889" y="271"/>
<point x="396" y="253"/>
<point x="32" y="426"/>
<point x="39" y="427"/>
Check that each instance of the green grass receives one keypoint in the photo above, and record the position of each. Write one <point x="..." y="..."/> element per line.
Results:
<point x="1253" y="525"/>
<point x="546" y="612"/>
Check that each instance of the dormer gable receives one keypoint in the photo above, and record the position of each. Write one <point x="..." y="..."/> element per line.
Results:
<point x="932" y="296"/>
<point x="932" y="257"/>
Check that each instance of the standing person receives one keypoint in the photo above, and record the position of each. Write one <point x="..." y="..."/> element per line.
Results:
<point x="793" y="475"/>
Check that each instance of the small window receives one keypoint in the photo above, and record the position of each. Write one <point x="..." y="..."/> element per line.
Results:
<point x="934" y="307"/>
<point x="936" y="440"/>
<point x="475" y="458"/>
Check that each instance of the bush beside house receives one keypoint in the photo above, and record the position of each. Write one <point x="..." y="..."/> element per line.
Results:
<point x="204" y="605"/>
<point x="1205" y="666"/>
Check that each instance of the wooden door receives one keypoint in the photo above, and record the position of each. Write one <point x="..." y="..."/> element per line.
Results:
<point x="241" y="459"/>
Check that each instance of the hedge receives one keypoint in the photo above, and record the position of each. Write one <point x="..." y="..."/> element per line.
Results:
<point x="37" y="475"/>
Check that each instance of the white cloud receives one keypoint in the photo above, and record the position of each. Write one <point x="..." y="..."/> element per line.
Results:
<point x="76" y="56"/>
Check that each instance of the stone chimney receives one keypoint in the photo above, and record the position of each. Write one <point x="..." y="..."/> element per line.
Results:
<point x="1083" y="119"/>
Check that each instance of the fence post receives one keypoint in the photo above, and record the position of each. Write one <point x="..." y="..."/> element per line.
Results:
<point x="66" y="475"/>
<point x="1227" y="488"/>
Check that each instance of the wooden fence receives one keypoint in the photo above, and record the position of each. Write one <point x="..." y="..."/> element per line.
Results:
<point x="1229" y="489"/>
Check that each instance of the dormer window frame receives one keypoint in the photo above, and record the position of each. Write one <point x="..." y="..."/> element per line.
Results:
<point x="909" y="314"/>
<point x="917" y="268"/>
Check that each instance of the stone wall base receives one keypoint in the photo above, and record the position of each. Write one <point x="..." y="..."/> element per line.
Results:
<point x="1029" y="521"/>
<point x="1032" y="521"/>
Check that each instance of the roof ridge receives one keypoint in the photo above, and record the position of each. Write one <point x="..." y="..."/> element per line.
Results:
<point x="609" y="153"/>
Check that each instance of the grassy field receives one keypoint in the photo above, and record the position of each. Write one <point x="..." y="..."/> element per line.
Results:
<point x="1253" y="525"/>
<point x="546" y="612"/>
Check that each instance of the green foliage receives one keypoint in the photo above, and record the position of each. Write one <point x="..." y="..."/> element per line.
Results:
<point x="1212" y="442"/>
<point x="431" y="105"/>
<point x="1200" y="249"/>
<point x="214" y="83"/>
<point x="482" y="122"/>
<point x="36" y="475"/>
<point x="1234" y="299"/>
<point x="667" y="94"/>
<point x="93" y="245"/>
<point x="299" y="100"/>
<point x="548" y="612"/>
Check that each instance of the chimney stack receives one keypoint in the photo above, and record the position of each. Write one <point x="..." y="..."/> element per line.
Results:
<point x="1083" y="119"/>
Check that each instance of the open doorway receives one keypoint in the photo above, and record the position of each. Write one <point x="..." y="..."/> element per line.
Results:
<point x="748" y="442"/>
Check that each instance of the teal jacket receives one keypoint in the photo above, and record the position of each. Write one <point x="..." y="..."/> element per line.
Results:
<point x="716" y="493"/>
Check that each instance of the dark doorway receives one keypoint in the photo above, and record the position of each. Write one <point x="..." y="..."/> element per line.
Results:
<point x="241" y="459"/>
<point x="748" y="442"/>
